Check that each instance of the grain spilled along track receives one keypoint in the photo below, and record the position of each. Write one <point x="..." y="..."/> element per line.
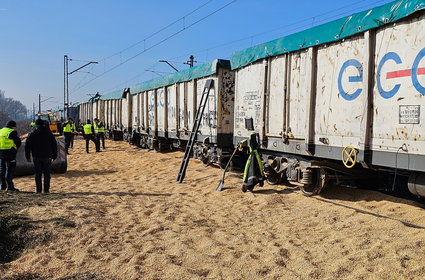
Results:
<point x="131" y="220"/>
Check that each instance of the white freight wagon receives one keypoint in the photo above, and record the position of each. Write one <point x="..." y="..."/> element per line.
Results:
<point x="351" y="92"/>
<point x="166" y="108"/>
<point x="114" y="110"/>
<point x="85" y="112"/>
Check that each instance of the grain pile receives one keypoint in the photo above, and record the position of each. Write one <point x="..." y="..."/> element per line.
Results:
<point x="131" y="220"/>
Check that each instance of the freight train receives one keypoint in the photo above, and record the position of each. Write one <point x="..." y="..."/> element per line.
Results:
<point x="340" y="99"/>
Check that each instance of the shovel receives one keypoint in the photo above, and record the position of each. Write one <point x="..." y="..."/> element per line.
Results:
<point x="221" y="184"/>
<point x="240" y="145"/>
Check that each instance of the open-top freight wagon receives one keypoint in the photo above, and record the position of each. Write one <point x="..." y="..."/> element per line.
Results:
<point x="163" y="111"/>
<point x="113" y="109"/>
<point x="340" y="98"/>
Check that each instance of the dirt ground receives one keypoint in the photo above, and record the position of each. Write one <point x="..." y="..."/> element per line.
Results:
<point x="120" y="214"/>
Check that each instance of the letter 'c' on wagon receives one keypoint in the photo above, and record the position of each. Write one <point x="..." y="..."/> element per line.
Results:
<point x="415" y="66"/>
<point x="351" y="79"/>
<point x="389" y="56"/>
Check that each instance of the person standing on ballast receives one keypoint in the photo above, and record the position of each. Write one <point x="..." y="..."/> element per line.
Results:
<point x="68" y="133"/>
<point x="9" y="145"/>
<point x="89" y="135"/>
<point x="41" y="144"/>
<point x="99" y="129"/>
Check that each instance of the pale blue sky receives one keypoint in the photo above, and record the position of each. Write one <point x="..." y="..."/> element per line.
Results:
<point x="36" y="34"/>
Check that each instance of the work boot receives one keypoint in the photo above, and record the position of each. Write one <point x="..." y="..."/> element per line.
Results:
<point x="12" y="190"/>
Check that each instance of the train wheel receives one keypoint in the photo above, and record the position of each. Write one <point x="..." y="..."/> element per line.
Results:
<point x="275" y="170"/>
<point x="206" y="160"/>
<point x="273" y="179"/>
<point x="162" y="147"/>
<point x="314" y="181"/>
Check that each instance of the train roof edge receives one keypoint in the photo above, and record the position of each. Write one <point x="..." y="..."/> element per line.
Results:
<point x="329" y="32"/>
<point x="199" y="71"/>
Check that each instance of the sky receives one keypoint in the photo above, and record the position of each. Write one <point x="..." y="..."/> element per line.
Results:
<point x="128" y="38"/>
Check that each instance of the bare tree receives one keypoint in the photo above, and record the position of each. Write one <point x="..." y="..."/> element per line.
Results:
<point x="11" y="109"/>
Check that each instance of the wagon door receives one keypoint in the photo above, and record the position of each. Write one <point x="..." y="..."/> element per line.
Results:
<point x="151" y="111"/>
<point x="275" y="99"/>
<point x="161" y="113"/>
<point x="340" y="100"/>
<point x="125" y="120"/>
<point x="182" y="114"/>
<point x="191" y="103"/>
<point x="208" y="126"/>
<point x="299" y="87"/>
<point x="398" y="138"/>
<point x="249" y="91"/>
<point x="135" y="112"/>
<point x="102" y="110"/>
<point x="172" y="111"/>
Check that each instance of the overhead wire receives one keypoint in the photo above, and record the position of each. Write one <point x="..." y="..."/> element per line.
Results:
<point x="285" y="26"/>
<point x="314" y="18"/>
<point x="158" y="43"/>
<point x="157" y="32"/>
<point x="82" y="79"/>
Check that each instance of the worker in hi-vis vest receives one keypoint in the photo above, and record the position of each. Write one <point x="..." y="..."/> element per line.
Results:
<point x="9" y="145"/>
<point x="99" y="129"/>
<point x="88" y="133"/>
<point x="68" y="132"/>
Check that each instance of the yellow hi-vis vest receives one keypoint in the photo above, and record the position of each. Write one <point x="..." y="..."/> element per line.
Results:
<point x="32" y="124"/>
<point x="257" y="158"/>
<point x="69" y="127"/>
<point x="87" y="128"/>
<point x="99" y="129"/>
<point x="5" y="142"/>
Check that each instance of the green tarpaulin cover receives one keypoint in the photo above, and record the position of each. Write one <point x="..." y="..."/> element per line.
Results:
<point x="329" y="32"/>
<point x="196" y="72"/>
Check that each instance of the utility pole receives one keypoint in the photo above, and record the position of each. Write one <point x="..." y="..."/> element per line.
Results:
<point x="190" y="61"/>
<point x="65" y="85"/>
<point x="39" y="103"/>
<point x="66" y="73"/>
<point x="33" y="111"/>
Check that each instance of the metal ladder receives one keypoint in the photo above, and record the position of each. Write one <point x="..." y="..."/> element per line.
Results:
<point x="197" y="122"/>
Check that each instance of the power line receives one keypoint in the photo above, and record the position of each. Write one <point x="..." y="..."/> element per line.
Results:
<point x="285" y="26"/>
<point x="286" y="31"/>
<point x="314" y="18"/>
<point x="82" y="79"/>
<point x="157" y="32"/>
<point x="158" y="43"/>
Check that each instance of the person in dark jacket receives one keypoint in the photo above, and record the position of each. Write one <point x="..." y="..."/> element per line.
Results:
<point x="9" y="145"/>
<point x="89" y="134"/>
<point x="41" y="144"/>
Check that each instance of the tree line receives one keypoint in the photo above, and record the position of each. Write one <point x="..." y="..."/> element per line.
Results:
<point x="11" y="109"/>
